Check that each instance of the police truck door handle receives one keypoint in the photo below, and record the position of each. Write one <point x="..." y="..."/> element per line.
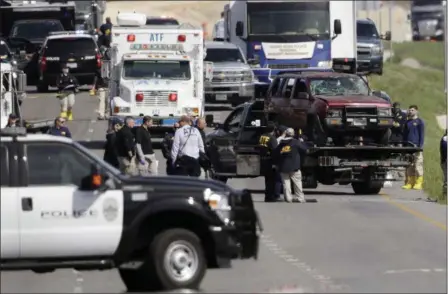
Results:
<point x="27" y="204"/>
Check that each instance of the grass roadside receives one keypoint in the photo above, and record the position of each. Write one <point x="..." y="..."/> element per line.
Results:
<point x="424" y="88"/>
<point x="428" y="54"/>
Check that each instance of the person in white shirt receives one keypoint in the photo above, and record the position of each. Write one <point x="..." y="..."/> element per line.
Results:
<point x="219" y="33"/>
<point x="186" y="150"/>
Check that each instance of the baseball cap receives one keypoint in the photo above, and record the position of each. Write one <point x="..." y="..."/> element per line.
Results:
<point x="13" y="116"/>
<point x="282" y="128"/>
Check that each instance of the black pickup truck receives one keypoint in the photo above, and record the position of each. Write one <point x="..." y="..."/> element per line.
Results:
<point x="234" y="153"/>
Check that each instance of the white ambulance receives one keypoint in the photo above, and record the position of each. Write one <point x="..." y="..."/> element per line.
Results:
<point x="156" y="71"/>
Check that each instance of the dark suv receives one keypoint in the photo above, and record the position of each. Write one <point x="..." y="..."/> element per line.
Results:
<point x="78" y="50"/>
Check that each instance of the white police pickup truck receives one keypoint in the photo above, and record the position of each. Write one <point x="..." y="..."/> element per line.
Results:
<point x="63" y="207"/>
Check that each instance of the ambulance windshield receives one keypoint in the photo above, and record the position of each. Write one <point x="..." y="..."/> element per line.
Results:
<point x="156" y="69"/>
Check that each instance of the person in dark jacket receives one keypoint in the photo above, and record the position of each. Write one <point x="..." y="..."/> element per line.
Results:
<point x="125" y="144"/>
<point x="167" y="143"/>
<point x="13" y="121"/>
<point x="201" y="124"/>
<point x="268" y="143"/>
<point x="414" y="133"/>
<point x="106" y="32"/>
<point x="400" y="118"/>
<point x="287" y="158"/>
<point x="67" y="86"/>
<point x="443" y="155"/>
<point x="110" y="148"/>
<point x="59" y="129"/>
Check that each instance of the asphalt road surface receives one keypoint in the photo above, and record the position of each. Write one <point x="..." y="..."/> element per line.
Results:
<point x="396" y="242"/>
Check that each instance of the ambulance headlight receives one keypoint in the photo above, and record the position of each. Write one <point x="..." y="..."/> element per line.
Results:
<point x="218" y="203"/>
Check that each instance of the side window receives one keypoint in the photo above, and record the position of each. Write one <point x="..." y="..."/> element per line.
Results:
<point x="4" y="165"/>
<point x="287" y="87"/>
<point x="233" y="121"/>
<point x="300" y="88"/>
<point x="56" y="164"/>
<point x="276" y="84"/>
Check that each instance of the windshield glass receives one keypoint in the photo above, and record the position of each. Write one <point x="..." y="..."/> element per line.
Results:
<point x="366" y="30"/>
<point x="162" y="21"/>
<point x="223" y="55"/>
<point x="68" y="46"/>
<point x="35" y="30"/>
<point x="311" y="20"/>
<point x="339" y="86"/>
<point x="156" y="69"/>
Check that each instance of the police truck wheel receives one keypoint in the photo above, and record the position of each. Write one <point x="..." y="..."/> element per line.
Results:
<point x="178" y="259"/>
<point x="367" y="188"/>
<point x="41" y="87"/>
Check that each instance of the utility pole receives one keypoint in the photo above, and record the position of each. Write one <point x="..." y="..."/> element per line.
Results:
<point x="445" y="33"/>
<point x="391" y="9"/>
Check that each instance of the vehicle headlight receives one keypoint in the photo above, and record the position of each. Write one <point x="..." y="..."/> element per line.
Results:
<point x="384" y="111"/>
<point x="334" y="113"/>
<point x="218" y="203"/>
<point x="377" y="50"/>
<point x="325" y="63"/>
<point x="248" y="76"/>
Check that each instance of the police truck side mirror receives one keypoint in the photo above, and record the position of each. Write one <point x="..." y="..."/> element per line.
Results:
<point x="337" y="27"/>
<point x="239" y="30"/>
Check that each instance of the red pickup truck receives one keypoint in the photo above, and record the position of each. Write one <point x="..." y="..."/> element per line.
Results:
<point x="330" y="105"/>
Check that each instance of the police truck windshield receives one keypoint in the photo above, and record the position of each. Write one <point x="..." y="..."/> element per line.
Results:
<point x="290" y="22"/>
<point x="156" y="69"/>
<point x="35" y="30"/>
<point x="339" y="86"/>
<point x="223" y="55"/>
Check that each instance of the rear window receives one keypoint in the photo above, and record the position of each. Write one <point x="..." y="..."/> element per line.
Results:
<point x="162" y="21"/>
<point x="157" y="69"/>
<point x="67" y="46"/>
<point x="35" y="30"/>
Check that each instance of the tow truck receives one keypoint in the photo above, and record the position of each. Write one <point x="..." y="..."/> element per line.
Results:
<point x="156" y="71"/>
<point x="12" y="93"/>
<point x="234" y="153"/>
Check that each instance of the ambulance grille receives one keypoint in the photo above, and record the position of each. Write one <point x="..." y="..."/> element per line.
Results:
<point x="156" y="99"/>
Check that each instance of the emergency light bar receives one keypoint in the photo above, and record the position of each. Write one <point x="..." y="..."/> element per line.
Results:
<point x="161" y="47"/>
<point x="131" y="19"/>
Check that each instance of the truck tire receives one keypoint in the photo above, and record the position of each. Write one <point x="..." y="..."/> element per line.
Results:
<point x="158" y="271"/>
<point x="42" y="88"/>
<point x="367" y="188"/>
<point x="173" y="249"/>
<point x="383" y="137"/>
<point x="317" y="132"/>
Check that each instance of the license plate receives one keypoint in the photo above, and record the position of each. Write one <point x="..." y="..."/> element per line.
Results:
<point x="72" y="65"/>
<point x="359" y="122"/>
<point x="221" y="97"/>
<point x="248" y="165"/>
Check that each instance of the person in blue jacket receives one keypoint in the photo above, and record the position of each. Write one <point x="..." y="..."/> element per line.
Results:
<point x="443" y="155"/>
<point x="414" y="133"/>
<point x="59" y="129"/>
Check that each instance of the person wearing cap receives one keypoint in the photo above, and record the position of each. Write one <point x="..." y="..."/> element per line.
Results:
<point x="12" y="121"/>
<point x="106" y="31"/>
<point x="400" y="118"/>
<point x="167" y="144"/>
<point x="67" y="86"/>
<point x="110" y="148"/>
<point x="287" y="159"/>
<point x="280" y="132"/>
<point x="187" y="148"/>
<point x="59" y="128"/>
<point x="268" y="143"/>
<point x="125" y="144"/>
<point x="145" y="153"/>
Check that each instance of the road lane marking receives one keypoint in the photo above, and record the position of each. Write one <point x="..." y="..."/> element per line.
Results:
<point x="325" y="282"/>
<point x="414" y="212"/>
<point x="420" y="270"/>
